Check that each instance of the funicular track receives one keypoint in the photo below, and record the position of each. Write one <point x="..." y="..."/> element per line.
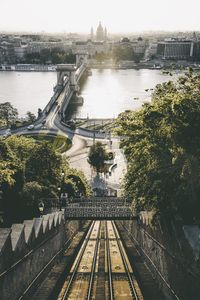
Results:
<point x="102" y="241"/>
<point x="81" y="276"/>
<point x="122" y="283"/>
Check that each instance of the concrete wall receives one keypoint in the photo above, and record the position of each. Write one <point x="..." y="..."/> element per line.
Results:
<point x="27" y="248"/>
<point x="170" y="256"/>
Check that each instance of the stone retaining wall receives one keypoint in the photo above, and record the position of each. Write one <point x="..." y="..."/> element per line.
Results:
<point x="25" y="249"/>
<point x="169" y="255"/>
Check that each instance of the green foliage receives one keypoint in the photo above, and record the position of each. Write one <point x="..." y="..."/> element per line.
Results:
<point x="126" y="52"/>
<point x="122" y="52"/>
<point x="59" y="143"/>
<point x="8" y="113"/>
<point x="21" y="146"/>
<point x="15" y="182"/>
<point x="32" y="191"/>
<point x="31" y="117"/>
<point x="75" y="182"/>
<point x="29" y="171"/>
<point x="101" y="56"/>
<point x="43" y="165"/>
<point x="54" y="56"/>
<point x="97" y="156"/>
<point x="6" y="173"/>
<point x="8" y="164"/>
<point x="161" y="143"/>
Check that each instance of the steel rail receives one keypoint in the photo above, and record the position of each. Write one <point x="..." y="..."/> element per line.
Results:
<point x="125" y="263"/>
<point x="93" y="265"/>
<point x="109" y="265"/>
<point x="77" y="264"/>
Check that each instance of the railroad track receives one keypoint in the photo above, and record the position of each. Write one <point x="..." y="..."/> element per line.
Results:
<point x="81" y="278"/>
<point x="122" y="283"/>
<point x="119" y="281"/>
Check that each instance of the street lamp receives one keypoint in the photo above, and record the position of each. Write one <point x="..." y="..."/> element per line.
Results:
<point x="41" y="208"/>
<point x="60" y="189"/>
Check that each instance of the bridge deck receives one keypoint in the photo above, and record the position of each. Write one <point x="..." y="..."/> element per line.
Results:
<point x="106" y="209"/>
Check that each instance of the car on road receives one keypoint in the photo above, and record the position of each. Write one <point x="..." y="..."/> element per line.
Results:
<point x="30" y="127"/>
<point x="71" y="124"/>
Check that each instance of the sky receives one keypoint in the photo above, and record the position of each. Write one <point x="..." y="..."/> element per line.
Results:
<point x="117" y="15"/>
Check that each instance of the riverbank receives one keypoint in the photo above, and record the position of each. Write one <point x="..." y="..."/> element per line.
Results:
<point x="151" y="65"/>
<point x="28" y="68"/>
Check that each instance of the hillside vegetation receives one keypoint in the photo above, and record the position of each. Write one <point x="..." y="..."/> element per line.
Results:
<point x="162" y="146"/>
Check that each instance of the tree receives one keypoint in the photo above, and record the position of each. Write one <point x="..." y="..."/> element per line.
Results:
<point x="38" y="163"/>
<point x="44" y="165"/>
<point x="22" y="146"/>
<point x="8" y="113"/>
<point x="31" y="117"/>
<point x="55" y="56"/>
<point x="123" y="52"/>
<point x="30" y="171"/>
<point x="162" y="145"/>
<point x="97" y="156"/>
<point x="7" y="164"/>
<point x="6" y="173"/>
<point x="75" y="181"/>
<point x="30" y="195"/>
<point x="39" y="112"/>
<point x="11" y="183"/>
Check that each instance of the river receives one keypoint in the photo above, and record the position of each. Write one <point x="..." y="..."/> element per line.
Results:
<point x="27" y="91"/>
<point x="106" y="93"/>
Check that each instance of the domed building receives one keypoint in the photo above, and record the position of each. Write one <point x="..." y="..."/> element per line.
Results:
<point x="100" y="33"/>
<point x="124" y="40"/>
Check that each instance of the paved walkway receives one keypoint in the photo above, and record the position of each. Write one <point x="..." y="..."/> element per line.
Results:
<point x="78" y="156"/>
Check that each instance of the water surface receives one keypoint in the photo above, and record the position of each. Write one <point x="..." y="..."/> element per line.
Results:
<point x="106" y="93"/>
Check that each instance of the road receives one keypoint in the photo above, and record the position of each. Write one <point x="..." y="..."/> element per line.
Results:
<point x="81" y="142"/>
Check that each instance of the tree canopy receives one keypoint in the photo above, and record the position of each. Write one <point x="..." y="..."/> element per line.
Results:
<point x="54" y="56"/>
<point x="30" y="171"/>
<point x="8" y="113"/>
<point x="123" y="52"/>
<point x="162" y="146"/>
<point x="31" y="117"/>
<point x="97" y="156"/>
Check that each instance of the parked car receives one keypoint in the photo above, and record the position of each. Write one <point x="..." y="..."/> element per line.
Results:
<point x="30" y="127"/>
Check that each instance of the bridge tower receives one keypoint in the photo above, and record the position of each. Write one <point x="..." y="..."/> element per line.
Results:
<point x="68" y="76"/>
<point x="64" y="72"/>
<point x="81" y="58"/>
<point x="68" y="71"/>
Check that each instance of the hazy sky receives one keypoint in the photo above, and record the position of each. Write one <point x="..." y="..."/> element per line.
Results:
<point x="117" y="15"/>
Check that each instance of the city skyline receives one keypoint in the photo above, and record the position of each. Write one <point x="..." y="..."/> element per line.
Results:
<point x="78" y="16"/>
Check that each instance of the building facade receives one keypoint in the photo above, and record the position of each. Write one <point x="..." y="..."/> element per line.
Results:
<point x="175" y="49"/>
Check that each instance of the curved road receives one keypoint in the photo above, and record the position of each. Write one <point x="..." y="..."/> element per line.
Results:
<point x="81" y="141"/>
